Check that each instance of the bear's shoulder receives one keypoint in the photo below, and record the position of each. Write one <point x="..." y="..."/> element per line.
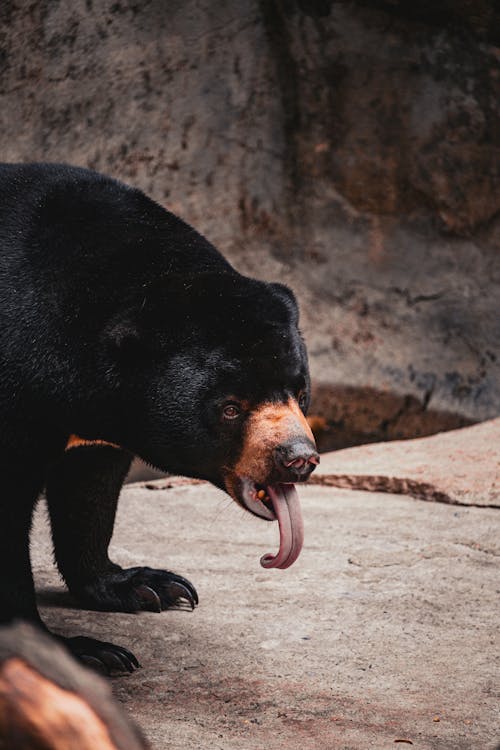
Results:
<point x="65" y="217"/>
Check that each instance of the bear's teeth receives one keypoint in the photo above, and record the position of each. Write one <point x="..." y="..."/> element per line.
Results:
<point x="253" y="501"/>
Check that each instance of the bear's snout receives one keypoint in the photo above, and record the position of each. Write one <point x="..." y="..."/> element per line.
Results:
<point x="278" y="445"/>
<point x="296" y="459"/>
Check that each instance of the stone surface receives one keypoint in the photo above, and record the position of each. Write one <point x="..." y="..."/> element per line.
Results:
<point x="349" y="149"/>
<point x="460" y="467"/>
<point x="343" y="416"/>
<point x="385" y="628"/>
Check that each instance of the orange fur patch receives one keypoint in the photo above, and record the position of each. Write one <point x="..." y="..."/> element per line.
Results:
<point x="74" y="442"/>
<point x="270" y="425"/>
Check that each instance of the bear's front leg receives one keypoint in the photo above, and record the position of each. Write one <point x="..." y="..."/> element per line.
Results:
<point x="82" y="495"/>
<point x="22" y="481"/>
<point x="19" y="492"/>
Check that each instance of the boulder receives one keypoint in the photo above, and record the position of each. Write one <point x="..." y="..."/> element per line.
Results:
<point x="461" y="467"/>
<point x="49" y="702"/>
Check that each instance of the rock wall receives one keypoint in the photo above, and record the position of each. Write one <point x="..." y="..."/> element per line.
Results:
<point x="349" y="149"/>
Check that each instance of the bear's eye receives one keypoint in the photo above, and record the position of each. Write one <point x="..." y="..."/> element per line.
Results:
<point x="231" y="411"/>
<point x="302" y="399"/>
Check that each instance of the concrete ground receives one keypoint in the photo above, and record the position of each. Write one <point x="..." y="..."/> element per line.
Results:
<point x="381" y="635"/>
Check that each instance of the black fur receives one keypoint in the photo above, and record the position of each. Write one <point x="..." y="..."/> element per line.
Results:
<point x="118" y="322"/>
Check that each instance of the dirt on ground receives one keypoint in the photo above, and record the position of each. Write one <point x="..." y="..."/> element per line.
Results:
<point x="383" y="634"/>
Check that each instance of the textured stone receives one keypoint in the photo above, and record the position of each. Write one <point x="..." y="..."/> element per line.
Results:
<point x="387" y="620"/>
<point x="460" y="467"/>
<point x="342" y="416"/>
<point x="349" y="149"/>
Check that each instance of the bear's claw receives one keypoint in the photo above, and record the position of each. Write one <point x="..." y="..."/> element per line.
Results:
<point x="101" y="656"/>
<point x="152" y="601"/>
<point x="136" y="589"/>
<point x="164" y="590"/>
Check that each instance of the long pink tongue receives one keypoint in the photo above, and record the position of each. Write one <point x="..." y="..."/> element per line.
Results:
<point x="287" y="508"/>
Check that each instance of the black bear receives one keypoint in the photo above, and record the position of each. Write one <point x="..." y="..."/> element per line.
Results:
<point x="124" y="332"/>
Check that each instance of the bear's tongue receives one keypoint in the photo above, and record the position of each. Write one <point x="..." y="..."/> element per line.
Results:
<point x="287" y="508"/>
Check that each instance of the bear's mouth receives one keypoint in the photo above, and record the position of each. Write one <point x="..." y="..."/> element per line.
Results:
<point x="276" y="501"/>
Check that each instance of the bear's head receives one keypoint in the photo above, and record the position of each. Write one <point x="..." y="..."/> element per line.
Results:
<point x="214" y="383"/>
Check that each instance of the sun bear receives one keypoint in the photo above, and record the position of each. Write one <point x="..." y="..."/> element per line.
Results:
<point x="124" y="332"/>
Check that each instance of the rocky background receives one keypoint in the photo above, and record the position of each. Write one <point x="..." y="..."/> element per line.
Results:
<point x="349" y="149"/>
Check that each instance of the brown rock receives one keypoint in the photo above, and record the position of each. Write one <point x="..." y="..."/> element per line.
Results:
<point x="343" y="416"/>
<point x="48" y="701"/>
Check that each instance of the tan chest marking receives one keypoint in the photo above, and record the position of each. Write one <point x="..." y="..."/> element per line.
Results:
<point x="75" y="442"/>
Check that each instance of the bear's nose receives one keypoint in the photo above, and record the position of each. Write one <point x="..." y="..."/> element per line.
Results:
<point x="296" y="459"/>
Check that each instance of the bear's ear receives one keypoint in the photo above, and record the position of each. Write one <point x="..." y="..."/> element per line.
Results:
<point x="288" y="297"/>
